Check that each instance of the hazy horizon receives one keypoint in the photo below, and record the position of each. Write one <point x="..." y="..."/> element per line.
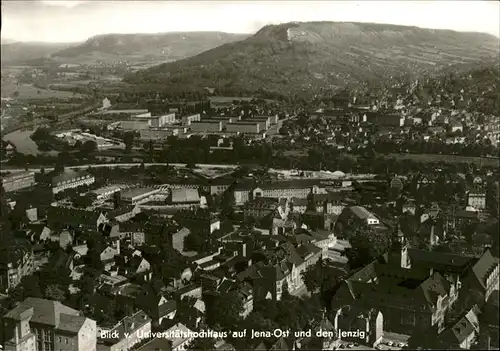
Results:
<point x="33" y="21"/>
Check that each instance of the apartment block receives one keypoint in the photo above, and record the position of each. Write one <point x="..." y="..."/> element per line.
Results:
<point x="18" y="181"/>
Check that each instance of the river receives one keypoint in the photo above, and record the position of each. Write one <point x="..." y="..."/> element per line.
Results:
<point x="22" y="141"/>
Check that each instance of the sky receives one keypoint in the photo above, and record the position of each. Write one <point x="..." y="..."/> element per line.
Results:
<point x="74" y="21"/>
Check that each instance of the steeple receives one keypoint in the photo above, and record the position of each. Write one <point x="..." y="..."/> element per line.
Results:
<point x="398" y="254"/>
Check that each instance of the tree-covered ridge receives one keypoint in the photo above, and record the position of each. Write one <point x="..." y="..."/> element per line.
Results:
<point x="320" y="56"/>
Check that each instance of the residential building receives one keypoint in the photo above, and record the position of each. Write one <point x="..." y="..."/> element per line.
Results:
<point x="18" y="181"/>
<point x="201" y="219"/>
<point x="288" y="189"/>
<point x="16" y="262"/>
<point x="178" y="239"/>
<point x="355" y="214"/>
<point x="476" y="197"/>
<point x="461" y="334"/>
<point x="206" y="126"/>
<point x="138" y="195"/>
<point x="409" y="297"/>
<point x="489" y="322"/>
<point x="483" y="276"/>
<point x="70" y="179"/>
<point x="62" y="218"/>
<point x="54" y="325"/>
<point x="242" y="193"/>
<point x="127" y="333"/>
<point x="457" y="218"/>
<point x="180" y="337"/>
<point x="493" y="197"/>
<point x="260" y="208"/>
<point x="220" y="185"/>
<point x="397" y="183"/>
<point x="286" y="266"/>
<point x="299" y="205"/>
<point x="327" y="203"/>
<point x="187" y="120"/>
<point x="123" y="213"/>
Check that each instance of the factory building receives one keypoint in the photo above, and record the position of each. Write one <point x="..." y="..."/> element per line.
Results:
<point x="264" y="122"/>
<point x="138" y="195"/>
<point x="243" y="127"/>
<point x="206" y="126"/>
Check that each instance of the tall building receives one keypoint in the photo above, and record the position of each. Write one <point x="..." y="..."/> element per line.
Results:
<point x="45" y="325"/>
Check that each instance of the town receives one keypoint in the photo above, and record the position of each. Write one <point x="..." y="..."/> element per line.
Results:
<point x="134" y="218"/>
<point x="121" y="249"/>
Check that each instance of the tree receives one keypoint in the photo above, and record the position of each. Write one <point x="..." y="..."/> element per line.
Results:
<point x="88" y="147"/>
<point x="83" y="201"/>
<point x="202" y="344"/>
<point x="128" y="140"/>
<point x="323" y="279"/>
<point x="366" y="245"/>
<point x="191" y="164"/>
<point x="224" y="310"/>
<point x="193" y="242"/>
<point x="29" y="287"/>
<point x="54" y="292"/>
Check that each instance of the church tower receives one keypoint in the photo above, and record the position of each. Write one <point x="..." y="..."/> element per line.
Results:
<point x="398" y="255"/>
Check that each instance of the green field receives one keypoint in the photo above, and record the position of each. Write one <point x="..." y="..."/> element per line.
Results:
<point x="29" y="92"/>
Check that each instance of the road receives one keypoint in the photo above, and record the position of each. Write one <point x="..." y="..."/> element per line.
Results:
<point x="120" y="165"/>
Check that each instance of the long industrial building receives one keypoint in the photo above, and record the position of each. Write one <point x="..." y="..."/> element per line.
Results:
<point x="18" y="181"/>
<point x="264" y="122"/>
<point x="243" y="127"/>
<point x="70" y="179"/>
<point x="138" y="195"/>
<point x="206" y="126"/>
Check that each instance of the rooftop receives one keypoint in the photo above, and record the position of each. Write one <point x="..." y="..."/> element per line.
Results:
<point x="49" y="313"/>
<point x="128" y="324"/>
<point x="362" y="213"/>
<point x="136" y="192"/>
<point x="106" y="189"/>
<point x="69" y="175"/>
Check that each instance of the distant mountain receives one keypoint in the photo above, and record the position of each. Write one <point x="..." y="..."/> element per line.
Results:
<point x="7" y="41"/>
<point x="159" y="47"/>
<point x="19" y="52"/>
<point x="314" y="57"/>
